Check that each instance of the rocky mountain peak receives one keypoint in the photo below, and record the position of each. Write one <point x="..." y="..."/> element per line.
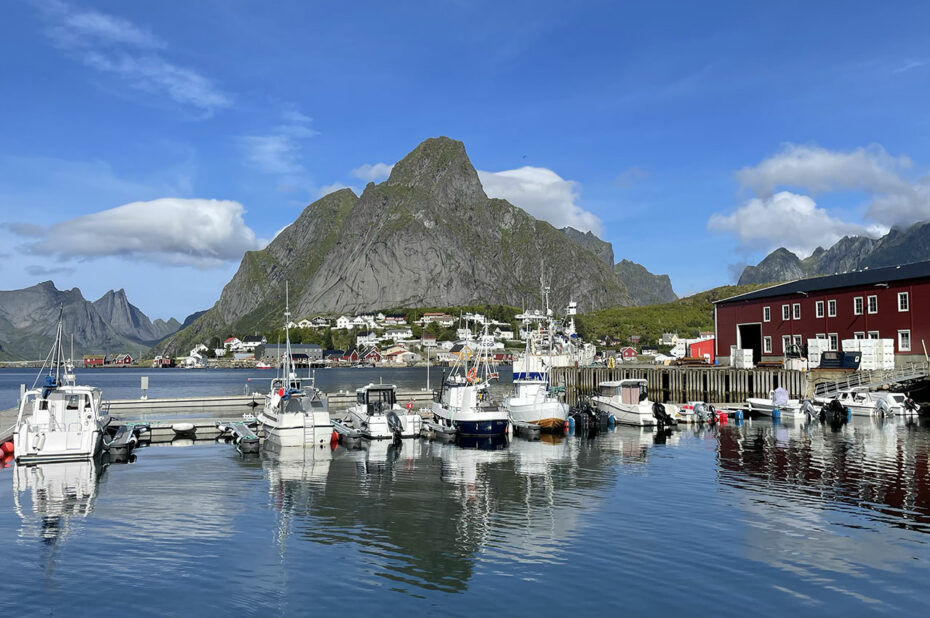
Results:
<point x="440" y="167"/>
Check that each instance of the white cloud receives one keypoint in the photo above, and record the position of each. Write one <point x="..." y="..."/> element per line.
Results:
<point x="114" y="45"/>
<point x="786" y="220"/>
<point x="542" y="193"/>
<point x="185" y="232"/>
<point x="279" y="151"/>
<point x="820" y="170"/>
<point x="372" y="173"/>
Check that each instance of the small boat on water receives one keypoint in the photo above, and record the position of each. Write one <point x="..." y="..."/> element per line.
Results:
<point x="464" y="400"/>
<point x="61" y="420"/>
<point x="778" y="400"/>
<point x="863" y="402"/>
<point x="262" y="366"/>
<point x="377" y="415"/>
<point x="294" y="414"/>
<point x="532" y="401"/>
<point x="628" y="401"/>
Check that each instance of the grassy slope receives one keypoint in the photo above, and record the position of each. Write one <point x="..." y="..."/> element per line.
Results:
<point x="685" y="316"/>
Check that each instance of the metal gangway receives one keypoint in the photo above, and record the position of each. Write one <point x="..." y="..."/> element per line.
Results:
<point x="873" y="379"/>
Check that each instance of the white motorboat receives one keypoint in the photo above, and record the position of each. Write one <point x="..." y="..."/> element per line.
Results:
<point x="61" y="421"/>
<point x="294" y="414"/>
<point x="778" y="400"/>
<point x="629" y="403"/>
<point x="377" y="415"/>
<point x="532" y="401"/>
<point x="862" y="402"/>
<point x="464" y="401"/>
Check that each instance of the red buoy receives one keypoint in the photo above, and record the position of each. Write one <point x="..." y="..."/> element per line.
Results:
<point x="566" y="427"/>
<point x="7" y="448"/>
<point x="334" y="439"/>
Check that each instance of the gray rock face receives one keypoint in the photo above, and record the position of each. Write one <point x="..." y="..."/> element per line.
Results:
<point x="427" y="236"/>
<point x="129" y="321"/>
<point x="779" y="265"/>
<point x="600" y="248"/>
<point x="644" y="287"/>
<point x="899" y="246"/>
<point x="29" y="317"/>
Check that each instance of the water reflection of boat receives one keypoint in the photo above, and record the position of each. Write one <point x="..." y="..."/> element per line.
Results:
<point x="876" y="464"/>
<point x="48" y="496"/>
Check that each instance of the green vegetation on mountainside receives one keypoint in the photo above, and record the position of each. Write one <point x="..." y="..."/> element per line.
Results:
<point x="686" y="316"/>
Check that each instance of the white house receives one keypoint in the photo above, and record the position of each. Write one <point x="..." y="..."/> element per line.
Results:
<point x="251" y="342"/>
<point x="231" y="343"/>
<point x="399" y="334"/>
<point x="305" y="323"/>
<point x="367" y="338"/>
<point x="344" y="322"/>
<point x="503" y="334"/>
<point x="464" y="334"/>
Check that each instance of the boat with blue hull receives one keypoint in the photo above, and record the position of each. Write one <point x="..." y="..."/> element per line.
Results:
<point x="464" y="400"/>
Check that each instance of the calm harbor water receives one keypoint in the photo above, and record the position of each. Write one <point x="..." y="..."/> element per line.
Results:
<point x="760" y="518"/>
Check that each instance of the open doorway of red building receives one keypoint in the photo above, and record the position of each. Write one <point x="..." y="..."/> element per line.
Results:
<point x="749" y="337"/>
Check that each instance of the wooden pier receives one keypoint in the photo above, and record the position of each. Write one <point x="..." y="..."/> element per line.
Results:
<point x="682" y="384"/>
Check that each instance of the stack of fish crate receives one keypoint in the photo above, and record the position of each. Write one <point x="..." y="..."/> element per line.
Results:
<point x="740" y="359"/>
<point x="816" y="347"/>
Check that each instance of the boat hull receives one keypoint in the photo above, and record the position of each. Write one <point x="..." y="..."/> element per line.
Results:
<point x="549" y="415"/>
<point x="765" y="407"/>
<point x="624" y="414"/>
<point x="375" y="427"/>
<point x="476" y="423"/>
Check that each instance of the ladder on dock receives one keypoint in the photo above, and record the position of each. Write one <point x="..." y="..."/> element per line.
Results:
<point x="872" y="379"/>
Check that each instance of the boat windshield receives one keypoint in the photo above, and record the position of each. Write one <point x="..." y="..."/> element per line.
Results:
<point x="378" y="400"/>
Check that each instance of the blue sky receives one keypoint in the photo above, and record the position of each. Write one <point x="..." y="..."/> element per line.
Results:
<point x="147" y="146"/>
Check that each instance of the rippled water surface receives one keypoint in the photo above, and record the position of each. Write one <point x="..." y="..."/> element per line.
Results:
<point x="757" y="519"/>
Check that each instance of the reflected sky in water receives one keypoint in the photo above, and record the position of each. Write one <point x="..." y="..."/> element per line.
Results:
<point x="764" y="518"/>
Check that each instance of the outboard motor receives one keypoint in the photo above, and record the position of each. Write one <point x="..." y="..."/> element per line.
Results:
<point x="883" y="408"/>
<point x="705" y="413"/>
<point x="395" y="424"/>
<point x="911" y="406"/>
<point x="807" y="407"/>
<point x="833" y="413"/>
<point x="586" y="419"/>
<point x="664" y="418"/>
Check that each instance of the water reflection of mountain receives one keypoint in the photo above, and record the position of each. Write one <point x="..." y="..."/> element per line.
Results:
<point x="877" y="465"/>
<point x="421" y="511"/>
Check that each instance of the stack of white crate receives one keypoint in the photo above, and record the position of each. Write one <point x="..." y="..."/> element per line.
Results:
<point x="815" y="348"/>
<point x="875" y="354"/>
<point x="740" y="359"/>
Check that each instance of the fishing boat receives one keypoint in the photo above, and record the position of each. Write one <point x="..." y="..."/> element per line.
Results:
<point x="532" y="400"/>
<point x="61" y="420"/>
<point x="862" y="402"/>
<point x="377" y="415"/>
<point x="464" y="402"/>
<point x="628" y="401"/>
<point x="294" y="413"/>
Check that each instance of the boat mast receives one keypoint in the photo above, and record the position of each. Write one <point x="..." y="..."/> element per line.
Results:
<point x="291" y="370"/>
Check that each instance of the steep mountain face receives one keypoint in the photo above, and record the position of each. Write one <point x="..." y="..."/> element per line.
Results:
<point x="644" y="287"/>
<point x="779" y="265"/>
<point x="128" y="321"/>
<point x="899" y="246"/>
<point x="600" y="248"/>
<point x="427" y="236"/>
<point x="29" y="318"/>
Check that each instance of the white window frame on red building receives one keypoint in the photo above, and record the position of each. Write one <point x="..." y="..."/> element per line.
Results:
<point x="785" y="313"/>
<point x="907" y="301"/>
<point x="858" y="305"/>
<point x="796" y="311"/>
<point x="831" y="308"/>
<point x="785" y="342"/>
<point x="901" y="347"/>
<point x="872" y="310"/>
<point x="766" y="314"/>
<point x="834" y="341"/>
<point x="819" y="308"/>
<point x="766" y="345"/>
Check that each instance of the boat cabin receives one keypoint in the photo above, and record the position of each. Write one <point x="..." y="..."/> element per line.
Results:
<point x="60" y="409"/>
<point x="629" y="391"/>
<point x="377" y="398"/>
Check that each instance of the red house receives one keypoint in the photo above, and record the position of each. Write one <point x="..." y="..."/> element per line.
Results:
<point x="881" y="303"/>
<point x="628" y="353"/>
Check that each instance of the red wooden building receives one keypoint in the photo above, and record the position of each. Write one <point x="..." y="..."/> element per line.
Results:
<point x="881" y="303"/>
<point x="702" y="348"/>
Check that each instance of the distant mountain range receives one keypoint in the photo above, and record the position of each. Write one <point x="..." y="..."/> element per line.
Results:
<point x="29" y="318"/>
<point x="427" y="236"/>
<point x="899" y="246"/>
